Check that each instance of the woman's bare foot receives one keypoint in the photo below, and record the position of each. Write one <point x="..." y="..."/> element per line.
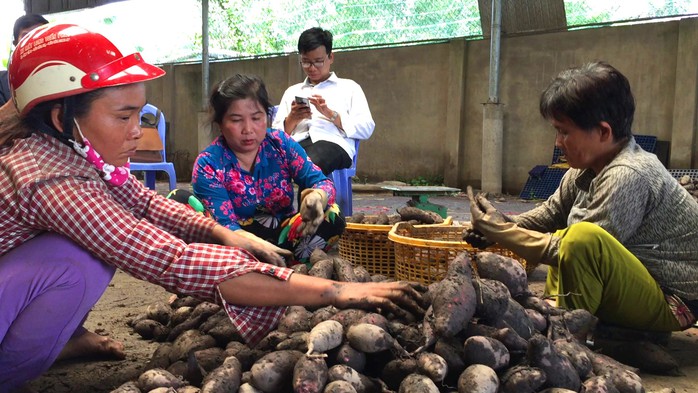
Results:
<point x="92" y="344"/>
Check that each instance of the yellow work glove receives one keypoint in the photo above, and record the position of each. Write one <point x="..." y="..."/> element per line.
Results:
<point x="496" y="227"/>
<point x="312" y="209"/>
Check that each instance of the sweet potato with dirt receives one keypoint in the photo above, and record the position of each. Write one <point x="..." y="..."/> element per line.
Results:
<point x="151" y="329"/>
<point x="317" y="255"/>
<point x="451" y="350"/>
<point x="559" y="370"/>
<point x="185" y="301"/>
<point x="522" y="379"/>
<point x="454" y="301"/>
<point x="375" y="319"/>
<point x="346" y="354"/>
<point x="296" y="319"/>
<point x="487" y="351"/>
<point x="301" y="268"/>
<point x="507" y="336"/>
<point x="343" y="270"/>
<point x="323" y="268"/>
<point x="417" y="383"/>
<point x="370" y="338"/>
<point x="223" y="379"/>
<point x="599" y="384"/>
<point x="323" y="314"/>
<point x="191" y="340"/>
<point x="297" y="341"/>
<point x="515" y="317"/>
<point x="408" y="336"/>
<point x="325" y="336"/>
<point x="360" y="382"/>
<point x="492" y="298"/>
<point x="274" y="371"/>
<point x="579" y="358"/>
<point x="395" y="371"/>
<point x="159" y="311"/>
<point x="501" y="268"/>
<point x="408" y="213"/>
<point x="128" y="387"/>
<point x="348" y="316"/>
<point x="478" y="378"/>
<point x="433" y="366"/>
<point x="156" y="378"/>
<point x="161" y="357"/>
<point x="531" y="301"/>
<point x="309" y="375"/>
<point x="539" y="322"/>
<point x="180" y="315"/>
<point x="271" y="340"/>
<point x="362" y="275"/>
<point x="339" y="387"/>
<point x="382" y="219"/>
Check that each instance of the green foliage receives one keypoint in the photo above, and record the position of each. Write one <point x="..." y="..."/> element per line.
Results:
<point x="435" y="180"/>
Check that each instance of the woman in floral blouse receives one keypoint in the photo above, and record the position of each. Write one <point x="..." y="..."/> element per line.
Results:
<point x="246" y="176"/>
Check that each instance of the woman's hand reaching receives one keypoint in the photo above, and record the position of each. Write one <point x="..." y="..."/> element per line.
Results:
<point x="399" y="298"/>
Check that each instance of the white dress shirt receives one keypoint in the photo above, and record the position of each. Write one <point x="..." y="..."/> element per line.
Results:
<point x="341" y="95"/>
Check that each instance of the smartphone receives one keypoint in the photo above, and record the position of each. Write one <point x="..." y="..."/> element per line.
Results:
<point x="302" y="101"/>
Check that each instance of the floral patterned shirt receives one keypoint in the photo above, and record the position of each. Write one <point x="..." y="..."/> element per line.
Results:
<point x="234" y="195"/>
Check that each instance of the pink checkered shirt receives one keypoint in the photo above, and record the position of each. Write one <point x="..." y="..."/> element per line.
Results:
<point x="46" y="186"/>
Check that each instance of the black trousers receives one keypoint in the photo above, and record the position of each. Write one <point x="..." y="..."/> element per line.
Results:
<point x="327" y="155"/>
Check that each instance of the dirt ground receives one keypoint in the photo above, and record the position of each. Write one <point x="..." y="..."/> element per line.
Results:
<point x="127" y="297"/>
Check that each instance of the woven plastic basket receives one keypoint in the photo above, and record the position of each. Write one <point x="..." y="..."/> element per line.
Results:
<point x="367" y="245"/>
<point x="422" y="254"/>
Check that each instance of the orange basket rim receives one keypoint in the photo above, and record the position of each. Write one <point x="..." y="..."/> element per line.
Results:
<point x="394" y="236"/>
<point x="448" y="221"/>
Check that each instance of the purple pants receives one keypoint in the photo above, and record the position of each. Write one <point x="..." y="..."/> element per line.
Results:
<point x="47" y="287"/>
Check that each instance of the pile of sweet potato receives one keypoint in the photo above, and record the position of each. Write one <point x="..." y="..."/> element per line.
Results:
<point x="411" y="214"/>
<point x="690" y="184"/>
<point x="483" y="331"/>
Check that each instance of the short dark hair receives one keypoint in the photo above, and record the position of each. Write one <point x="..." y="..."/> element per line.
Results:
<point x="315" y="37"/>
<point x="588" y="95"/>
<point x="26" y="21"/>
<point x="238" y="87"/>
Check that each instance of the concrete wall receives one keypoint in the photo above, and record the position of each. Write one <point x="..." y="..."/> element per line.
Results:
<point x="427" y="100"/>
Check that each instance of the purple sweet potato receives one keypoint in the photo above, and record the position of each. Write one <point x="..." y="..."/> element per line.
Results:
<point x="501" y="268"/>
<point x="433" y="366"/>
<point x="346" y="354"/>
<point x="487" y="351"/>
<point x="309" y="375"/>
<point x="348" y="316"/>
<point x="570" y="348"/>
<point x="344" y="270"/>
<point x="492" y="298"/>
<point x="478" y="378"/>
<point x="274" y="371"/>
<point x="225" y="378"/>
<point x="522" y="379"/>
<point x="417" y="383"/>
<point x="454" y="301"/>
<point x="156" y="378"/>
<point x="323" y="268"/>
<point x="370" y="338"/>
<point x="397" y="370"/>
<point x="559" y="370"/>
<point x="296" y="319"/>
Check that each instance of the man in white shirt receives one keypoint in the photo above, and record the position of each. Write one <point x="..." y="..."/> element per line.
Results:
<point x="335" y="113"/>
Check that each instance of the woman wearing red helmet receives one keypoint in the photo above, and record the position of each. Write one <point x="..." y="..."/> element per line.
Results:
<point x="72" y="213"/>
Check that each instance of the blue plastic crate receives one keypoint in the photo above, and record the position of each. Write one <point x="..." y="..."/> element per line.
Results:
<point x="542" y="183"/>
<point x="647" y="142"/>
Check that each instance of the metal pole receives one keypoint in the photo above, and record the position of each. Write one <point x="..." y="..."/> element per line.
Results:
<point x="493" y="115"/>
<point x="204" y="54"/>
<point x="495" y="33"/>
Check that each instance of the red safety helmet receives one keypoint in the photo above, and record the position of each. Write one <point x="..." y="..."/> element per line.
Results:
<point x="61" y="60"/>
